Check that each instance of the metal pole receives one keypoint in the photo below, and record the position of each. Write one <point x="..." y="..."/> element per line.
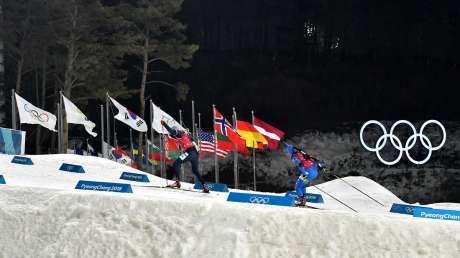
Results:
<point x="115" y="143"/>
<point x="107" y="115"/>
<point x="182" y="170"/>
<point x="359" y="190"/>
<point x="61" y="104"/>
<point x="151" y="133"/>
<point x="102" y="132"/>
<point x="162" y="170"/>
<point x="197" y="137"/>
<point x="254" y="155"/>
<point x="216" y="163"/>
<point x="193" y="121"/>
<point x="59" y="127"/>
<point x="131" y="142"/>
<point x="235" y="154"/>
<point x="146" y="150"/>
<point x="87" y="147"/>
<point x="13" y="109"/>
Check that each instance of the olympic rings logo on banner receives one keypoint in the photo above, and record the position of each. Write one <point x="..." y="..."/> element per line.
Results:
<point x="40" y="117"/>
<point x="410" y="210"/>
<point x="396" y="142"/>
<point x="259" y="200"/>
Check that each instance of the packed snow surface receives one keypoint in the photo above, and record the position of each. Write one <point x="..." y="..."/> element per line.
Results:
<point x="42" y="215"/>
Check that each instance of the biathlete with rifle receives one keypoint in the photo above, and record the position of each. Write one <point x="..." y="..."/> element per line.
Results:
<point x="190" y="153"/>
<point x="309" y="167"/>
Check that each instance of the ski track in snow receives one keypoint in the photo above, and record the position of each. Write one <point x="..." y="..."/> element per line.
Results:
<point x="42" y="215"/>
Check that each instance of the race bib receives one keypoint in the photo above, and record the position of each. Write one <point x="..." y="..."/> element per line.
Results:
<point x="183" y="156"/>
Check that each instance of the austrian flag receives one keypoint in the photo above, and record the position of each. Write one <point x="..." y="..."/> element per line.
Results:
<point x="272" y="134"/>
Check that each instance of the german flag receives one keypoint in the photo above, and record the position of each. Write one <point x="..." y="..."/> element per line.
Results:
<point x="254" y="139"/>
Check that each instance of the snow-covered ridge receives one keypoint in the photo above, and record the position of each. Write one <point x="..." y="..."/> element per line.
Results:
<point x="41" y="215"/>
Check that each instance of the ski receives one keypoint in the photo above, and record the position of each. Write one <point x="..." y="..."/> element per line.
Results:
<point x="170" y="188"/>
<point x="310" y="207"/>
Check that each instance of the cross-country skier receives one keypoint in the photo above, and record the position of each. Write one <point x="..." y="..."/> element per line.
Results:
<point x="308" y="167"/>
<point x="190" y="153"/>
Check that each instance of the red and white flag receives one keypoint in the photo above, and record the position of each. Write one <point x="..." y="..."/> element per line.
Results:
<point x="272" y="134"/>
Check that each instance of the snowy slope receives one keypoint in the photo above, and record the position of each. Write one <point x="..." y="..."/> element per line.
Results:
<point x="41" y="215"/>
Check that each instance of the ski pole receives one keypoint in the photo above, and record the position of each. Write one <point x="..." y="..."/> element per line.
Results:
<point x="336" y="199"/>
<point x="359" y="190"/>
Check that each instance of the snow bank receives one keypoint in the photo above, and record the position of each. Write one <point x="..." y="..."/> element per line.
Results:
<point x="39" y="222"/>
<point x="41" y="215"/>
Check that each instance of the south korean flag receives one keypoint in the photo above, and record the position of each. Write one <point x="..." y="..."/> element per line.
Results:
<point x="128" y="117"/>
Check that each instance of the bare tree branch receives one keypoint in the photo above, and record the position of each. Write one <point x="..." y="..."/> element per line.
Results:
<point x="162" y="82"/>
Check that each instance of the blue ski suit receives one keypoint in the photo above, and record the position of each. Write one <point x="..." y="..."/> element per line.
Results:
<point x="308" y="168"/>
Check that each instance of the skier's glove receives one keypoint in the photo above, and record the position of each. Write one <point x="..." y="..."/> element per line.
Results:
<point x="162" y="122"/>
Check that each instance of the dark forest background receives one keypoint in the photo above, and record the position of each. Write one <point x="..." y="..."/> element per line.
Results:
<point x="300" y="64"/>
<point x="312" y="64"/>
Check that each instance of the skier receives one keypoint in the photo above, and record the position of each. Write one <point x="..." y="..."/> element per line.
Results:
<point x="190" y="153"/>
<point x="308" y="167"/>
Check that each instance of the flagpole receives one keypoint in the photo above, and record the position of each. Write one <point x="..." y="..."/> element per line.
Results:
<point x="216" y="164"/>
<point x="131" y="142"/>
<point x="13" y="110"/>
<point x="61" y="104"/>
<point x="146" y="150"/>
<point x="151" y="133"/>
<point x="107" y="104"/>
<point x="102" y="132"/>
<point x="199" y="120"/>
<point x="59" y="127"/>
<point x="115" y="143"/>
<point x="162" y="172"/>
<point x="182" y="171"/>
<point x="254" y="155"/>
<point x="199" y="129"/>
<point x="193" y="121"/>
<point x="235" y="154"/>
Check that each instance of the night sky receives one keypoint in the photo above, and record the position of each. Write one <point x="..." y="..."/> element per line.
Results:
<point x="311" y="64"/>
<point x="316" y="64"/>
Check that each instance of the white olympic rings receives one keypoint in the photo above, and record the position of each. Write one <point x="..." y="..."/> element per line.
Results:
<point x="259" y="200"/>
<point x="396" y="142"/>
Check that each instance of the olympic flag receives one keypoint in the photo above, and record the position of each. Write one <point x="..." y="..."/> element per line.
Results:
<point x="75" y="116"/>
<point x="128" y="117"/>
<point x="30" y="114"/>
<point x="159" y="115"/>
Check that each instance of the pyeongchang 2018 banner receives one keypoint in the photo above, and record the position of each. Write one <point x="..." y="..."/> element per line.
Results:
<point x="12" y="141"/>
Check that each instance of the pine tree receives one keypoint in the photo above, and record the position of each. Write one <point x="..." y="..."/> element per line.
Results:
<point x="84" y="55"/>
<point x="152" y="34"/>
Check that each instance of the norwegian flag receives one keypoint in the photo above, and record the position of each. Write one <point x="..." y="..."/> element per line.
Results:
<point x="206" y="141"/>
<point x="222" y="126"/>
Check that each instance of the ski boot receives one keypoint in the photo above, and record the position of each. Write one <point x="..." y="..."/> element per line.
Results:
<point x="302" y="201"/>
<point x="175" y="184"/>
<point x="205" y="188"/>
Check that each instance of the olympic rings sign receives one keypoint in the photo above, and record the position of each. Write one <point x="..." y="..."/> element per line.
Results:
<point x="396" y="142"/>
<point x="40" y="117"/>
<point x="410" y="210"/>
<point x="259" y="200"/>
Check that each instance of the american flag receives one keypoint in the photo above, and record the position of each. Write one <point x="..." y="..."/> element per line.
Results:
<point x="206" y="140"/>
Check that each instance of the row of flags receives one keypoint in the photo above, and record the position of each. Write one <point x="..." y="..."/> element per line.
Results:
<point x="225" y="138"/>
